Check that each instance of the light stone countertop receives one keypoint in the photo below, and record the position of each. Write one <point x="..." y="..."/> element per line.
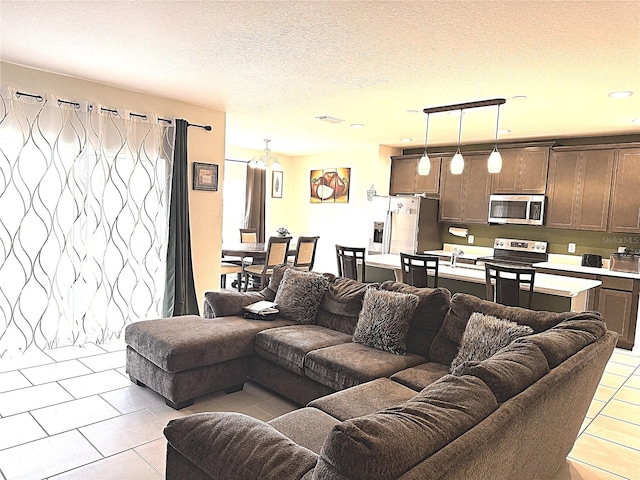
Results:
<point x="588" y="270"/>
<point x="558" y="285"/>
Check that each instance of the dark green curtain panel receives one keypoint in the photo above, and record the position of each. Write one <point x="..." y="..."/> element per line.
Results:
<point x="180" y="289"/>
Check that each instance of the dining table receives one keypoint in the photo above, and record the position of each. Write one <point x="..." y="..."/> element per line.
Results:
<point x="258" y="251"/>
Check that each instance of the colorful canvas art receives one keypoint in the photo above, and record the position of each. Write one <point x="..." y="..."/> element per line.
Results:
<point x="330" y="185"/>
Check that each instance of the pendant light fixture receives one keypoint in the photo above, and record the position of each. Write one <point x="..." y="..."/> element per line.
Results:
<point x="494" y="164"/>
<point x="424" y="165"/>
<point x="263" y="161"/>
<point x="457" y="162"/>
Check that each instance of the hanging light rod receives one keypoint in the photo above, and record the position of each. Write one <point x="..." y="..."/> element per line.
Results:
<point x="465" y="106"/>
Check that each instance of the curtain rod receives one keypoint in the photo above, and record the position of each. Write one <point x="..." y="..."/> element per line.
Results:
<point x="208" y="128"/>
<point x="40" y="98"/>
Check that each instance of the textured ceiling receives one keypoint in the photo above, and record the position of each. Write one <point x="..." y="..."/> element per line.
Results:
<point x="275" y="65"/>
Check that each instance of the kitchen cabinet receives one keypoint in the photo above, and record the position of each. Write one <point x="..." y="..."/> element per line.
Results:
<point x="579" y="186"/>
<point x="405" y="178"/>
<point x="524" y="170"/>
<point x="618" y="304"/>
<point x="465" y="198"/>
<point x="616" y="299"/>
<point x="625" y="200"/>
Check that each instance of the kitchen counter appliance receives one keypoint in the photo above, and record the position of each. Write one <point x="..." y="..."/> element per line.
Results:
<point x="517" y="253"/>
<point x="516" y="209"/>
<point x="625" y="262"/>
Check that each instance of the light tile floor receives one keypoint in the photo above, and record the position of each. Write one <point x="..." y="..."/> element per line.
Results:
<point x="72" y="413"/>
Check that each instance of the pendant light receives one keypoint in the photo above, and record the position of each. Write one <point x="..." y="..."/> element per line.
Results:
<point x="263" y="161"/>
<point x="424" y="165"/>
<point x="494" y="164"/>
<point x="457" y="162"/>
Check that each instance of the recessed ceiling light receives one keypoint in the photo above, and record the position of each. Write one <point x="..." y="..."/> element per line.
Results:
<point x="357" y="125"/>
<point x="621" y="94"/>
<point x="636" y="120"/>
<point x="405" y="140"/>
<point x="504" y="131"/>
<point x="519" y="97"/>
<point x="329" y="119"/>
<point x="413" y="112"/>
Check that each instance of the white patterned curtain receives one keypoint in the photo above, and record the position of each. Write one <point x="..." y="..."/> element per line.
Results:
<point x="84" y="195"/>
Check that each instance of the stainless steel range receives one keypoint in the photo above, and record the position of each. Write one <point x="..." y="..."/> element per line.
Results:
<point x="508" y="251"/>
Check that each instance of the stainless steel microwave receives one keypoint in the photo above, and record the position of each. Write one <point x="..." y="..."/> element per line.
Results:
<point x="517" y="209"/>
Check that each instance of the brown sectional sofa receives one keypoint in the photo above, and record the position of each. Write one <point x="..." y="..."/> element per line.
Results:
<point x="371" y="414"/>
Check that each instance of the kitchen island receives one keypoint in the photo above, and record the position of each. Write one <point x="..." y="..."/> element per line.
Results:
<point x="575" y="289"/>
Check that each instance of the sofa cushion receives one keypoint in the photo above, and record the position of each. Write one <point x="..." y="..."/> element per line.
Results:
<point x="349" y="364"/>
<point x="363" y="399"/>
<point x="183" y="343"/>
<point x="568" y="337"/>
<point x="420" y="376"/>
<point x="389" y="443"/>
<point x="299" y="295"/>
<point x="510" y="371"/>
<point x="223" y="445"/>
<point x="484" y="336"/>
<point x="384" y="320"/>
<point x="428" y="317"/>
<point x="341" y="304"/>
<point x="287" y="346"/>
<point x="446" y="343"/>
<point x="308" y="427"/>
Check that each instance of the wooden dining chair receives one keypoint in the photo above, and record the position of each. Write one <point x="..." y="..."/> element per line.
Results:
<point x="277" y="250"/>
<point x="227" y="268"/>
<point x="348" y="258"/>
<point x="503" y="284"/>
<point x="305" y="253"/>
<point x="248" y="235"/>
<point x="417" y="269"/>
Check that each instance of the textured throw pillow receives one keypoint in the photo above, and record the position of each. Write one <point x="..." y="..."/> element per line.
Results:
<point x="484" y="336"/>
<point x="384" y="320"/>
<point x="299" y="295"/>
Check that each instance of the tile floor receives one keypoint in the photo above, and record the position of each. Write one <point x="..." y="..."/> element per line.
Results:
<point x="72" y="413"/>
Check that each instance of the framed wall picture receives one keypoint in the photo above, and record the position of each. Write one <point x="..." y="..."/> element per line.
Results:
<point x="205" y="176"/>
<point x="277" y="179"/>
<point x="330" y="185"/>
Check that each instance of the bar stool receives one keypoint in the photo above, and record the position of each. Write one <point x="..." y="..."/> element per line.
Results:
<point x="503" y="284"/>
<point x="416" y="269"/>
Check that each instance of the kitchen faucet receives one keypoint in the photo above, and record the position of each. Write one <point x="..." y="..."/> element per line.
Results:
<point x="454" y="256"/>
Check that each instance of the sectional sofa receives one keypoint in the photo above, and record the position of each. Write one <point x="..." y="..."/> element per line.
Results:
<point x="395" y="382"/>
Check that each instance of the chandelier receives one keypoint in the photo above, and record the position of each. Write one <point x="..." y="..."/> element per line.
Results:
<point x="264" y="161"/>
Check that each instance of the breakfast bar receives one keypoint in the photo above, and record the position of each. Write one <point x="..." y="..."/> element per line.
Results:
<point x="576" y="289"/>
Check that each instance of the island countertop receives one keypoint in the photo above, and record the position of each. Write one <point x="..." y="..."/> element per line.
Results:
<point x="574" y="288"/>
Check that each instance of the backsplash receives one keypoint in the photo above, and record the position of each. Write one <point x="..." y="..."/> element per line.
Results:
<point x="601" y="243"/>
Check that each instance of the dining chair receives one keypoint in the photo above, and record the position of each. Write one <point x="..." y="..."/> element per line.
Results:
<point x="503" y="284"/>
<point x="348" y="261"/>
<point x="416" y="269"/>
<point x="305" y="253"/>
<point x="248" y="235"/>
<point x="277" y="249"/>
<point x="227" y="268"/>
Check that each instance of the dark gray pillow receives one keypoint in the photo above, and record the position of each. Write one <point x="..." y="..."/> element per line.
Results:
<point x="384" y="320"/>
<point x="484" y="336"/>
<point x="299" y="295"/>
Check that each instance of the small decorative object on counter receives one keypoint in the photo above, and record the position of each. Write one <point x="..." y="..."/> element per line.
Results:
<point x="282" y="232"/>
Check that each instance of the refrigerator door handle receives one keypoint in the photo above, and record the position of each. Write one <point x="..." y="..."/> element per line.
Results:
<point x="386" y="237"/>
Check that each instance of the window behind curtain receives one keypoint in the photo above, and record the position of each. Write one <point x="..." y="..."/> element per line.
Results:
<point x="233" y="199"/>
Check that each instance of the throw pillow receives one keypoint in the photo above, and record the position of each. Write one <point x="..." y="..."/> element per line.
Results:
<point x="299" y="295"/>
<point x="384" y="320"/>
<point x="483" y="336"/>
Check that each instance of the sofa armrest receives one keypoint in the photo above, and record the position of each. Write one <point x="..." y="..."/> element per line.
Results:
<point x="223" y="303"/>
<point x="234" y="446"/>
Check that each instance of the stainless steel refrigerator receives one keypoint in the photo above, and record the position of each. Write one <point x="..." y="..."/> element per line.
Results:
<point x="407" y="224"/>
